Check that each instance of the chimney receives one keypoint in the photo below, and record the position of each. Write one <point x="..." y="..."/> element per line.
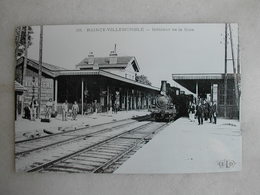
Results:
<point x="91" y="58"/>
<point x="163" y="87"/>
<point x="113" y="56"/>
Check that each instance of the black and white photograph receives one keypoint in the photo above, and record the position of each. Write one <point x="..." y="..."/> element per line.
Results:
<point x="128" y="98"/>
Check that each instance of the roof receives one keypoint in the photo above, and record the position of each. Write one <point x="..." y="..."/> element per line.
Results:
<point x="48" y="66"/>
<point x="55" y="71"/>
<point x="201" y="76"/>
<point x="19" y="87"/>
<point x="105" y="74"/>
<point x="103" y="62"/>
<point x="48" y="69"/>
<point x="204" y="80"/>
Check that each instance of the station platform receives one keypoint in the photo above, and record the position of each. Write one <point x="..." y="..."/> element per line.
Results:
<point x="186" y="147"/>
<point x="25" y="128"/>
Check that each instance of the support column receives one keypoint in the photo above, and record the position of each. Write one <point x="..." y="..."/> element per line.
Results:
<point x="134" y="101"/>
<point x="121" y="99"/>
<point x="108" y="102"/>
<point x="124" y="104"/>
<point x="82" y="96"/>
<point x="142" y="101"/>
<point x="131" y="102"/>
<point x="56" y="94"/>
<point x="139" y="100"/>
<point x="211" y="92"/>
<point x="197" y="91"/>
<point x="127" y="101"/>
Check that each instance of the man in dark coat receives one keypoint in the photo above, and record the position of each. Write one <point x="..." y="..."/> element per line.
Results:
<point x="214" y="112"/>
<point x="206" y="110"/>
<point x="200" y="113"/>
<point x="210" y="112"/>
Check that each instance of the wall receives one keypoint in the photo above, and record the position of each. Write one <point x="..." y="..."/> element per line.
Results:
<point x="128" y="72"/>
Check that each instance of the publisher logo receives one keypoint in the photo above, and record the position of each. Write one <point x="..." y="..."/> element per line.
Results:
<point x="226" y="164"/>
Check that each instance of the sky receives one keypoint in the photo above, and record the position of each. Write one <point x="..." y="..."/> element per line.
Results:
<point x="160" y="49"/>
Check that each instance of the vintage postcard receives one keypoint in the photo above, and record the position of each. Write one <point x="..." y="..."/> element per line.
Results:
<point x="128" y="98"/>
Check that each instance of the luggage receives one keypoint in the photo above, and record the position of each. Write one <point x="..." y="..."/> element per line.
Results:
<point x="46" y="120"/>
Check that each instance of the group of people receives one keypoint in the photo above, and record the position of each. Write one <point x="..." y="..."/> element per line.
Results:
<point x="31" y="111"/>
<point x="204" y="110"/>
<point x="65" y="111"/>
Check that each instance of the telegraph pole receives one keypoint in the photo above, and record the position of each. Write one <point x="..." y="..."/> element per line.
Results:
<point x="234" y="68"/>
<point x="238" y="52"/>
<point x="25" y="60"/>
<point x="40" y="71"/>
<point x="238" y="63"/>
<point x="25" y="55"/>
<point x="225" y="77"/>
<point x="18" y="44"/>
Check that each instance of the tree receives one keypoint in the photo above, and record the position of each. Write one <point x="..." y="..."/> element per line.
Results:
<point x="23" y="35"/>
<point x="20" y="39"/>
<point x="142" y="79"/>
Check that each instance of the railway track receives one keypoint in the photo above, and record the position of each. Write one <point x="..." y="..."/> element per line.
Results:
<point x="27" y="146"/>
<point x="104" y="155"/>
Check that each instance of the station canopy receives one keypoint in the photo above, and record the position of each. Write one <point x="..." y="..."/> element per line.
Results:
<point x="104" y="74"/>
<point x="203" y="80"/>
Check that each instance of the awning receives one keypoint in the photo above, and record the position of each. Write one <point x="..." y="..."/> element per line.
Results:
<point x="105" y="74"/>
<point x="198" y="76"/>
<point x="204" y="80"/>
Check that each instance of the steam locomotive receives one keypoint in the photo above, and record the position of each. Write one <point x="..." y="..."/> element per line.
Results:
<point x="163" y="109"/>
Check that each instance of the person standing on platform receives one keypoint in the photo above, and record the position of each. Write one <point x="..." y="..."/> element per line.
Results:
<point x="95" y="106"/>
<point x="206" y="110"/>
<point x="191" y="112"/>
<point x="33" y="106"/>
<point x="49" y="105"/>
<point x="200" y="114"/>
<point x="27" y="112"/>
<point x="210" y="112"/>
<point x="214" y="112"/>
<point x="65" y="111"/>
<point x="75" y="109"/>
<point x="116" y="104"/>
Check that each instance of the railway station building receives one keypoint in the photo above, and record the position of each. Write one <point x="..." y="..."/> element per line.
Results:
<point x="212" y="87"/>
<point x="96" y="83"/>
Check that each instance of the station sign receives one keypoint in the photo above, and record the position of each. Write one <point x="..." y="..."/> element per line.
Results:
<point x="47" y="88"/>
